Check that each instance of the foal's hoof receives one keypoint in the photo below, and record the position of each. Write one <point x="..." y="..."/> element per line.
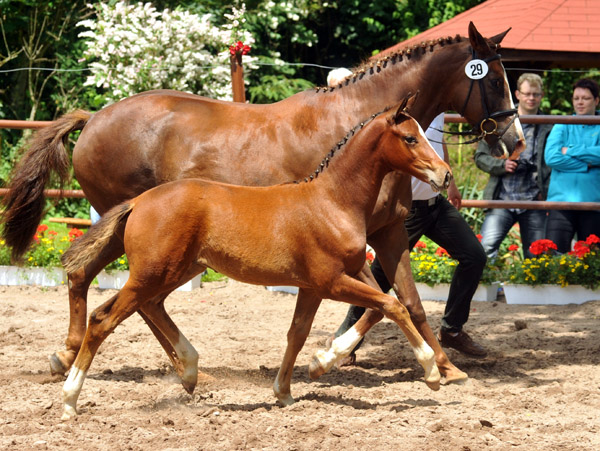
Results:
<point x="57" y="366"/>
<point x="434" y="385"/>
<point x="455" y="376"/>
<point x="69" y="413"/>
<point x="316" y="368"/>
<point x="286" y="400"/>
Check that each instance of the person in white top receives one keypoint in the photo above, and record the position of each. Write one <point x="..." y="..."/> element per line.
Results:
<point x="438" y="218"/>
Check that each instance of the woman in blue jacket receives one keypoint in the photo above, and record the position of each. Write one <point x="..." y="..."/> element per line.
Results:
<point x="573" y="153"/>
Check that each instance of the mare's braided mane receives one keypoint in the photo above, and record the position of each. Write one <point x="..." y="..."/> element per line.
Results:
<point x="409" y="53"/>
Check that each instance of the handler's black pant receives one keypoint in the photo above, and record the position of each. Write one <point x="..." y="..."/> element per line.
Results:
<point x="441" y="222"/>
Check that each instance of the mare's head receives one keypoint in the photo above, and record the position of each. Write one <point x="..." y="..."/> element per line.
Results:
<point x="406" y="148"/>
<point x="482" y="96"/>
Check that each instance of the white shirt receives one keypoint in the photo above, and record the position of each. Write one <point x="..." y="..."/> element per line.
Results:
<point x="422" y="190"/>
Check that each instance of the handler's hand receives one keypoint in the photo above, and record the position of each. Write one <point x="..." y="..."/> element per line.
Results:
<point x="454" y="196"/>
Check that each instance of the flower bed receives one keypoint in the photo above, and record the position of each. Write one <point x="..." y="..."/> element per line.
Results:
<point x="581" y="266"/>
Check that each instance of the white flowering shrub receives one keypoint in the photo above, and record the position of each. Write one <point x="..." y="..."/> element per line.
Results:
<point x="134" y="48"/>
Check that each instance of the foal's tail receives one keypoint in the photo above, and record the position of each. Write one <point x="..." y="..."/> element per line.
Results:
<point x="87" y="247"/>
<point x="24" y="202"/>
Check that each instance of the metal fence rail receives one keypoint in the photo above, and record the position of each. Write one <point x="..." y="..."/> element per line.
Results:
<point x="449" y="118"/>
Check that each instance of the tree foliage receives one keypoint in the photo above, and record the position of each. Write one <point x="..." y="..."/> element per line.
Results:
<point x="295" y="43"/>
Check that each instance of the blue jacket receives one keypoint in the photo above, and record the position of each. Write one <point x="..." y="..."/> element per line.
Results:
<point x="576" y="175"/>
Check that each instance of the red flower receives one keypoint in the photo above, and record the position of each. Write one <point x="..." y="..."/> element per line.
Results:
<point x="440" y="252"/>
<point x="580" y="249"/>
<point x="513" y="247"/>
<point x="479" y="237"/>
<point x="592" y="239"/>
<point x="239" y="47"/>
<point x="421" y="245"/>
<point x="370" y="257"/>
<point x="42" y="228"/>
<point x="542" y="247"/>
<point x="74" y="233"/>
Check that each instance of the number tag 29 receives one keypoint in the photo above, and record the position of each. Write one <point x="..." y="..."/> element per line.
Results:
<point x="476" y="69"/>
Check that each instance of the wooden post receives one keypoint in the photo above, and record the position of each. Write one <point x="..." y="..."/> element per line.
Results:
<point x="237" y="78"/>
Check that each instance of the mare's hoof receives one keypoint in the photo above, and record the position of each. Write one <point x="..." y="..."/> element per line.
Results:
<point x="57" y="366"/>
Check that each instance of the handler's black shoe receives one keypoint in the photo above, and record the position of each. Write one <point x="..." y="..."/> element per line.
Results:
<point x="462" y="342"/>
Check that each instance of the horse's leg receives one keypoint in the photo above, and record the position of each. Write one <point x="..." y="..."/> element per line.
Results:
<point x="323" y="360"/>
<point x="182" y="354"/>
<point x="351" y="290"/>
<point x="102" y="323"/>
<point x="393" y="253"/>
<point x="307" y="304"/>
<point x="79" y="283"/>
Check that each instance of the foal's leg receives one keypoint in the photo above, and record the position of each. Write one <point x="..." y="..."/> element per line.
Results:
<point x="102" y="323"/>
<point x="182" y="354"/>
<point x="351" y="290"/>
<point x="79" y="284"/>
<point x="323" y="360"/>
<point x="307" y="304"/>
<point x="394" y="257"/>
<point x="396" y="266"/>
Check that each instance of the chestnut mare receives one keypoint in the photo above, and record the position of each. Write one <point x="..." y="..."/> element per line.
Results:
<point x="310" y="234"/>
<point x="160" y="136"/>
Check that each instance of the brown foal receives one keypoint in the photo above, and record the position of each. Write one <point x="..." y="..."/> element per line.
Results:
<point x="311" y="234"/>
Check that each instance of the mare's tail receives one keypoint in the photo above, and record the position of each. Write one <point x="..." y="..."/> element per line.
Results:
<point x="88" y="246"/>
<point x="24" y="202"/>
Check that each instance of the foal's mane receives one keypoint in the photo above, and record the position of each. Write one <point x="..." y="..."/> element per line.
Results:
<point x="325" y="162"/>
<point x="411" y="53"/>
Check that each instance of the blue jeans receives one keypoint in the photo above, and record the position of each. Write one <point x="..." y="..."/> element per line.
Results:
<point x="498" y="222"/>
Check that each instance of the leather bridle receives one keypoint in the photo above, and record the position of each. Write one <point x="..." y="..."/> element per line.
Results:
<point x="488" y="125"/>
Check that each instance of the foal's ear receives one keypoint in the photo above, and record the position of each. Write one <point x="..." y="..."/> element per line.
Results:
<point x="401" y="113"/>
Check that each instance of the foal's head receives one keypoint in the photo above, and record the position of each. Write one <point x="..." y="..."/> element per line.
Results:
<point x="406" y="148"/>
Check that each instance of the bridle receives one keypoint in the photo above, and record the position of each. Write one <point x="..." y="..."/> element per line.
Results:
<point x="488" y="125"/>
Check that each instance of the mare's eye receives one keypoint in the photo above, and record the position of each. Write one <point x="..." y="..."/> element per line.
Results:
<point x="410" y="139"/>
<point x="497" y="83"/>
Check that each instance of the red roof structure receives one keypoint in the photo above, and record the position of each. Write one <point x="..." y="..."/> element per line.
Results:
<point x="544" y="34"/>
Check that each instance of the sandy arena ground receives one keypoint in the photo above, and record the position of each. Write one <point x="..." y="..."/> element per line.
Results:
<point x="539" y="389"/>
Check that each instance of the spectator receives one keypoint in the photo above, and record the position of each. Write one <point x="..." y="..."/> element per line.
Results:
<point x="524" y="179"/>
<point x="437" y="218"/>
<point x="573" y="153"/>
